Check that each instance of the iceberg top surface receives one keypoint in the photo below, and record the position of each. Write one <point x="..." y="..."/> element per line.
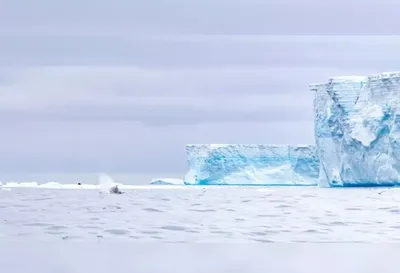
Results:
<point x="248" y="152"/>
<point x="353" y="79"/>
<point x="248" y="145"/>
<point x="339" y="79"/>
<point x="167" y="181"/>
<point x="348" y="79"/>
<point x="384" y="75"/>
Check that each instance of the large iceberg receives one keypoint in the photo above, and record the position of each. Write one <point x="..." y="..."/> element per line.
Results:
<point x="357" y="135"/>
<point x="252" y="164"/>
<point x="357" y="130"/>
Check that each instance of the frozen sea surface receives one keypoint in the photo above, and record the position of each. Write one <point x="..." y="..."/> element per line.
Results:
<point x="202" y="214"/>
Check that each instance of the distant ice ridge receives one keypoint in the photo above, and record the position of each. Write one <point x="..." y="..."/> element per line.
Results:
<point x="252" y="164"/>
<point x="62" y="186"/>
<point x="167" y="181"/>
<point x="49" y="185"/>
<point x="357" y="130"/>
<point x="105" y="183"/>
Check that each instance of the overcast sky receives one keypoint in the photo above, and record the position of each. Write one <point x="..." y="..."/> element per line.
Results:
<point x="123" y="85"/>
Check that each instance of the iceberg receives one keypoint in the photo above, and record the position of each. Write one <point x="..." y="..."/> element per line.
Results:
<point x="167" y="181"/>
<point x="357" y="130"/>
<point x="252" y="164"/>
<point x="357" y="143"/>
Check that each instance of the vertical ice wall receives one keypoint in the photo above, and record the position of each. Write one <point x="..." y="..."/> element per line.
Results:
<point x="357" y="130"/>
<point x="251" y="164"/>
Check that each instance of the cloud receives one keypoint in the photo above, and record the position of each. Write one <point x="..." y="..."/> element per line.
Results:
<point x="119" y="119"/>
<point x="205" y="17"/>
<point x="133" y="119"/>
<point x="128" y="146"/>
<point x="70" y="103"/>
<point x="165" y="115"/>
<point x="152" y="97"/>
<point x="343" y="54"/>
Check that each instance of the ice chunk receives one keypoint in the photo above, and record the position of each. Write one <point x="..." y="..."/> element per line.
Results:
<point x="12" y="184"/>
<point x="251" y="164"/>
<point x="167" y="181"/>
<point x="357" y="122"/>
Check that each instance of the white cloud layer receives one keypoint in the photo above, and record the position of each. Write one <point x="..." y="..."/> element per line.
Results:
<point x="124" y="86"/>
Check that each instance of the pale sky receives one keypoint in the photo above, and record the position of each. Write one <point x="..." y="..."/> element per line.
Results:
<point x="122" y="86"/>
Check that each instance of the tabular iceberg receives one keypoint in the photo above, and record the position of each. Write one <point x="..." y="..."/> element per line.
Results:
<point x="357" y="130"/>
<point x="252" y="164"/>
<point x="357" y="135"/>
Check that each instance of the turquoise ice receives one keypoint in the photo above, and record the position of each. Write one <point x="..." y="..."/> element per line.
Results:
<point x="251" y="164"/>
<point x="357" y="130"/>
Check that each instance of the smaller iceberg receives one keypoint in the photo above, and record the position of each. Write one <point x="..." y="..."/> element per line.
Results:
<point x="252" y="164"/>
<point x="167" y="181"/>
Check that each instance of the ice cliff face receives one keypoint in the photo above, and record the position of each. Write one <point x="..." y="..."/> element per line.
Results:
<point x="357" y="130"/>
<point x="357" y="134"/>
<point x="252" y="164"/>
